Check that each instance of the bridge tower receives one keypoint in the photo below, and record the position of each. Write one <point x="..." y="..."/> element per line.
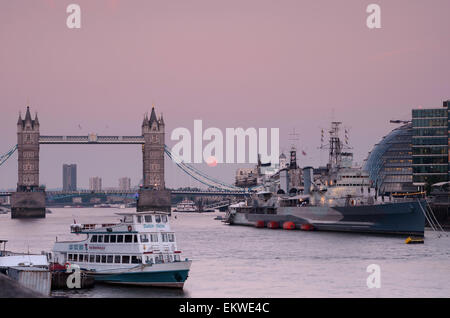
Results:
<point x="153" y="151"/>
<point x="29" y="200"/>
<point x="153" y="194"/>
<point x="28" y="150"/>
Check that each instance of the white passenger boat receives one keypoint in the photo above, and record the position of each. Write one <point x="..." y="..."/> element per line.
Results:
<point x="140" y="250"/>
<point x="186" y="206"/>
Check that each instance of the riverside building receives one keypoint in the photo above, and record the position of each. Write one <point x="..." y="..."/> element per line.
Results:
<point x="430" y="145"/>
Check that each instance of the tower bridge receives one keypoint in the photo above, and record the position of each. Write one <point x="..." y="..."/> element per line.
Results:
<point x="29" y="199"/>
<point x="91" y="139"/>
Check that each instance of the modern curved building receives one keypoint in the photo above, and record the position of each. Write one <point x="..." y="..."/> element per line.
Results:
<point x="389" y="164"/>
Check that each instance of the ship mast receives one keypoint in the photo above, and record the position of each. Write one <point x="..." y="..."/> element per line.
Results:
<point x="335" y="146"/>
<point x="293" y="153"/>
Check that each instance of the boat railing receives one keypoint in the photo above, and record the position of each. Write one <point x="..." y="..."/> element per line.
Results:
<point x="81" y="227"/>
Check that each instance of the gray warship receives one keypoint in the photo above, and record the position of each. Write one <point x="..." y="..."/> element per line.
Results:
<point x="341" y="199"/>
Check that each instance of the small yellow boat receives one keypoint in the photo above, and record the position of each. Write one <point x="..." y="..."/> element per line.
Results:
<point x="414" y="240"/>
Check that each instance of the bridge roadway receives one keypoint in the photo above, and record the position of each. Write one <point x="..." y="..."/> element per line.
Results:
<point x="91" y="139"/>
<point x="128" y="192"/>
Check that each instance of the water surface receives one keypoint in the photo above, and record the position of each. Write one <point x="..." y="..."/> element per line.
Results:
<point x="238" y="261"/>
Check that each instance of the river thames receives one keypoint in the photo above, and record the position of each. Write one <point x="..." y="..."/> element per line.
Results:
<point x="237" y="261"/>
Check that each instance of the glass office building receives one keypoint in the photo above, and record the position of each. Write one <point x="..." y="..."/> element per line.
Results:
<point x="430" y="146"/>
<point x="389" y="164"/>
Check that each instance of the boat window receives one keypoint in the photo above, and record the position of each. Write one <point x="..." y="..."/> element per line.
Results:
<point x="91" y="258"/>
<point x="158" y="218"/>
<point x="94" y="239"/>
<point x="144" y="238"/>
<point x="136" y="260"/>
<point x="126" y="259"/>
<point x="154" y="237"/>
<point x="149" y="260"/>
<point x="177" y="258"/>
<point x="109" y="259"/>
<point x="80" y="258"/>
<point x="70" y="257"/>
<point x="106" y="238"/>
<point x="170" y="257"/>
<point x="117" y="259"/>
<point x="135" y="238"/>
<point x="164" y="218"/>
<point x="100" y="239"/>
<point x="128" y="219"/>
<point x="75" y="258"/>
<point x="112" y="239"/>
<point x="86" y="256"/>
<point x="119" y="238"/>
<point x="139" y="218"/>
<point x="128" y="238"/>
<point x="148" y="218"/>
<point x="103" y="258"/>
<point x="171" y="237"/>
<point x="164" y="237"/>
<point x="97" y="258"/>
<point x="159" y="259"/>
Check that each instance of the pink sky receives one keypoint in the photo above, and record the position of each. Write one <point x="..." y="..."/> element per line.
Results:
<point x="249" y="63"/>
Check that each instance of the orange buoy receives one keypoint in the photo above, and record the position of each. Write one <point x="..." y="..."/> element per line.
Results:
<point x="272" y="225"/>
<point x="289" y="225"/>
<point x="259" y="224"/>
<point x="306" y="227"/>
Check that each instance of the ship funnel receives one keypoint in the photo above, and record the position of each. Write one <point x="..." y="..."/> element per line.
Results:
<point x="308" y="179"/>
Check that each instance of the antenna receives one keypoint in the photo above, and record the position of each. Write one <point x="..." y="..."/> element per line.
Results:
<point x="346" y="144"/>
<point x="294" y="138"/>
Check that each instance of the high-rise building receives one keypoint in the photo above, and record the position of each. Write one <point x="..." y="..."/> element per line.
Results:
<point x="431" y="145"/>
<point x="125" y="183"/>
<point x="95" y="183"/>
<point x="69" y="177"/>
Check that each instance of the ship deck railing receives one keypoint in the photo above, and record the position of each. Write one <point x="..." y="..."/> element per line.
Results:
<point x="91" y="226"/>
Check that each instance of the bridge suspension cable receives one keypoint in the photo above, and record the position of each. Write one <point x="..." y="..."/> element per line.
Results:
<point x="7" y="155"/>
<point x="199" y="175"/>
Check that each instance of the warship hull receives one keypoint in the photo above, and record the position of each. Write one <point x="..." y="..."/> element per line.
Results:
<point x="399" y="218"/>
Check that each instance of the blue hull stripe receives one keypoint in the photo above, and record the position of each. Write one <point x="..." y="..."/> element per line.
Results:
<point x="162" y="277"/>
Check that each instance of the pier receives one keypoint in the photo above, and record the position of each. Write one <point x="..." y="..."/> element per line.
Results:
<point x="13" y="289"/>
